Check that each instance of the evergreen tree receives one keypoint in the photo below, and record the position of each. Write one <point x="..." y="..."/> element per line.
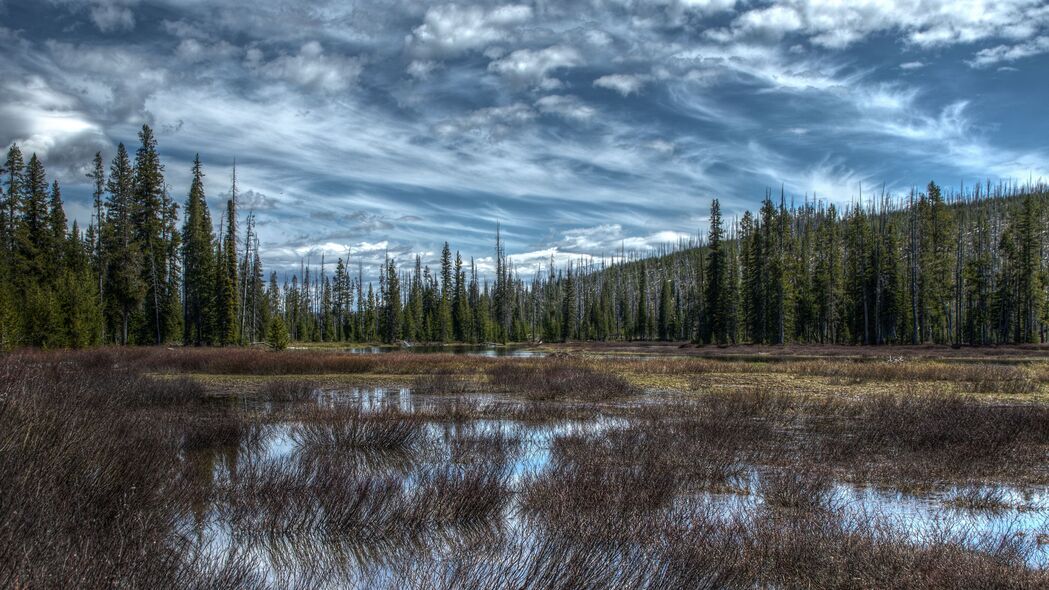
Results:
<point x="277" y="334"/>
<point x="444" y="310"/>
<point x="716" y="301"/>
<point x="226" y="293"/>
<point x="569" y="316"/>
<point x="391" y="304"/>
<point x="641" y="320"/>
<point x="667" y="312"/>
<point x="34" y="269"/>
<point x="198" y="243"/>
<point x="461" y="312"/>
<point x="98" y="257"/>
<point x="14" y="195"/>
<point x="147" y="216"/>
<point x="125" y="288"/>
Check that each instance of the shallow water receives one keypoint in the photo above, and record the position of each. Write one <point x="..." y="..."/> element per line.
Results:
<point x="525" y="453"/>
<point x="463" y="349"/>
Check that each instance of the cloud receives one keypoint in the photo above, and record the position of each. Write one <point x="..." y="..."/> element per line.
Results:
<point x="422" y="69"/>
<point x="48" y="122"/>
<point x="452" y="29"/>
<point x="113" y="15"/>
<point x="252" y="200"/>
<point x="489" y="123"/>
<point x="309" y="68"/>
<point x="356" y="124"/>
<point x="582" y="246"/>
<point x="197" y="51"/>
<point x="567" y="106"/>
<point x="932" y="23"/>
<point x="530" y="67"/>
<point x="1009" y="53"/>
<point x="774" y="20"/>
<point x="625" y="84"/>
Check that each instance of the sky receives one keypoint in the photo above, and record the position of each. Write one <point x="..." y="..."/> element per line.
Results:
<point x="386" y="127"/>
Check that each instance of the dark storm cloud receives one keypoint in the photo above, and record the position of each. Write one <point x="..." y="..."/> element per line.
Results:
<point x="375" y="129"/>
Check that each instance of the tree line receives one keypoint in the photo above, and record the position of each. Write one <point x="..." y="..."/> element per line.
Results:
<point x="134" y="276"/>
<point x="969" y="268"/>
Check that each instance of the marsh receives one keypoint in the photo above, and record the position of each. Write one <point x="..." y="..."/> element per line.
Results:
<point x="251" y="469"/>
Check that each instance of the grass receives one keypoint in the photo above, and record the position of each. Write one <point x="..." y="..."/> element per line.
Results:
<point x="553" y="473"/>
<point x="556" y="380"/>
<point x="341" y="428"/>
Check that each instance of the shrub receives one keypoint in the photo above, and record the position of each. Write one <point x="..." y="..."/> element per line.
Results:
<point x="277" y="334"/>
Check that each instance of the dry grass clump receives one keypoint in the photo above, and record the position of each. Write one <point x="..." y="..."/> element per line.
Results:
<point x="844" y="550"/>
<point x="1007" y="379"/>
<point x="289" y="498"/>
<point x="608" y="481"/>
<point x="159" y="392"/>
<point x="556" y="379"/>
<point x="336" y="500"/>
<point x="798" y="491"/>
<point x="969" y="377"/>
<point x="956" y="431"/>
<point x="344" y="427"/>
<point x="450" y="495"/>
<point x="473" y="443"/>
<point x="213" y="431"/>
<point x="443" y="383"/>
<point x="454" y="410"/>
<point x="288" y="391"/>
<point x="978" y="497"/>
<point x="689" y="547"/>
<point x="244" y="361"/>
<point x="89" y="486"/>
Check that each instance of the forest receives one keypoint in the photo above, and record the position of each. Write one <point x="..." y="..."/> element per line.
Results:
<point x="969" y="267"/>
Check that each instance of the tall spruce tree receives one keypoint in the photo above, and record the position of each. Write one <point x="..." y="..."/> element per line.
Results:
<point x="226" y="295"/>
<point x="716" y="304"/>
<point x="198" y="264"/>
<point x="147" y="217"/>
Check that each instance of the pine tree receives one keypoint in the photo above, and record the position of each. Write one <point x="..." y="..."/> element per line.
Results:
<point x="936" y="262"/>
<point x="98" y="257"/>
<point x="641" y="319"/>
<point x="667" y="312"/>
<point x="569" y="316"/>
<point x="35" y="267"/>
<point x="32" y="230"/>
<point x="14" y="195"/>
<point x="444" y="309"/>
<point x="147" y="215"/>
<point x="461" y="312"/>
<point x="56" y="235"/>
<point x="277" y="334"/>
<point x="124" y="288"/>
<point x="391" y="304"/>
<point x="226" y="295"/>
<point x="716" y="303"/>
<point x="78" y="294"/>
<point x="198" y="243"/>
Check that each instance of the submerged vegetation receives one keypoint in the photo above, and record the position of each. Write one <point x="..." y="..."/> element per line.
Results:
<point x="969" y="268"/>
<point x="557" y="472"/>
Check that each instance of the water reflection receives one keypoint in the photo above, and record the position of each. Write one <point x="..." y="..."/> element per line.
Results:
<point x="489" y="350"/>
<point x="355" y="512"/>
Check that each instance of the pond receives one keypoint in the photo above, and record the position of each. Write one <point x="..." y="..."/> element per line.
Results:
<point x="308" y="498"/>
<point x="488" y="350"/>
